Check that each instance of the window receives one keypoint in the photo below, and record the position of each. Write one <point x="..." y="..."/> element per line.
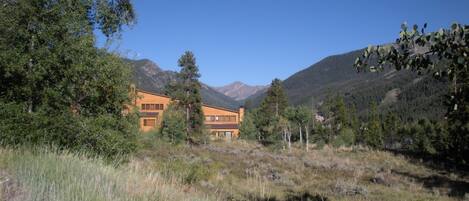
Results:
<point x="149" y="122"/>
<point x="221" y="118"/>
<point x="152" y="107"/>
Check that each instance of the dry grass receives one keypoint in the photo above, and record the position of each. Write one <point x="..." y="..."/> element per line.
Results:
<point x="226" y="171"/>
<point x="68" y="177"/>
<point x="247" y="170"/>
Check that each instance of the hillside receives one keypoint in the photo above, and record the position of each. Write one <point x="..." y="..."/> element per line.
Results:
<point x="150" y="77"/>
<point x="407" y="94"/>
<point x="239" y="91"/>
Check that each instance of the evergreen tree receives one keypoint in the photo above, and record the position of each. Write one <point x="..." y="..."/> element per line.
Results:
<point x="275" y="102"/>
<point x="187" y="92"/>
<point x="354" y="121"/>
<point x="270" y="111"/>
<point x="340" y="111"/>
<point x="247" y="128"/>
<point x="390" y="127"/>
<point x="373" y="135"/>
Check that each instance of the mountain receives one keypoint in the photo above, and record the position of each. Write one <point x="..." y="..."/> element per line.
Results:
<point x="407" y="94"/>
<point x="148" y="76"/>
<point x="239" y="91"/>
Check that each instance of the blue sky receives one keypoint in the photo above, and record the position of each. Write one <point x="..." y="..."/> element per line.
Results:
<point x="254" y="41"/>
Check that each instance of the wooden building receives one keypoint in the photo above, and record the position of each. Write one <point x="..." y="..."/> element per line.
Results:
<point x="221" y="122"/>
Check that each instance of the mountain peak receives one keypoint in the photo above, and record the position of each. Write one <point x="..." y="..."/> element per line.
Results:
<point x="237" y="83"/>
<point x="239" y="90"/>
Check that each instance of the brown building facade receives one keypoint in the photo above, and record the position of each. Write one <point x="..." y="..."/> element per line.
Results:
<point x="221" y="122"/>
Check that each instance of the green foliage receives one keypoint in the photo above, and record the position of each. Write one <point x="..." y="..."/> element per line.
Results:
<point x="247" y="128"/>
<point x="56" y="87"/>
<point x="187" y="92"/>
<point x="103" y="135"/>
<point x="54" y="175"/>
<point x="275" y="103"/>
<point x="320" y="133"/>
<point x="304" y="114"/>
<point x="337" y="74"/>
<point x="354" y="121"/>
<point x="269" y="113"/>
<point x="197" y="172"/>
<point x="373" y="135"/>
<point x="345" y="138"/>
<point x="173" y="125"/>
<point x="390" y="126"/>
<point x="425" y="137"/>
<point x="340" y="111"/>
<point x="443" y="53"/>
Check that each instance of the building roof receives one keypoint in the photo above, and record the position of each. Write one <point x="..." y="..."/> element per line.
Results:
<point x="153" y="93"/>
<point x="220" y="108"/>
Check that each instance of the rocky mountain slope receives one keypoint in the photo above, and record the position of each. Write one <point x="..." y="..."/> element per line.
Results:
<point x="239" y="91"/>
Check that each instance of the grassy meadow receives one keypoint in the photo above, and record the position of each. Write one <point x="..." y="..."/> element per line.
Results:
<point x="47" y="175"/>
<point x="236" y="170"/>
<point x="246" y="171"/>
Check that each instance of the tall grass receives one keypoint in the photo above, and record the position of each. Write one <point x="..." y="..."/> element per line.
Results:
<point x="47" y="175"/>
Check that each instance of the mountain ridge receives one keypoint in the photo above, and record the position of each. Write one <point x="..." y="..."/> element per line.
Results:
<point x="335" y="74"/>
<point x="239" y="90"/>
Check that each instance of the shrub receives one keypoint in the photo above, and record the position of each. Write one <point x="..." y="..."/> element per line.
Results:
<point x="106" y="135"/>
<point x="173" y="126"/>
<point x="197" y="172"/>
<point x="346" y="138"/>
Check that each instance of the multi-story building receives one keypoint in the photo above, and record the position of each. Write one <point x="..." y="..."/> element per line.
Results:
<point x="221" y="122"/>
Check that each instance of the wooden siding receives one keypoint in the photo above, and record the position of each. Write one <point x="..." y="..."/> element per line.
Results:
<point x="218" y="128"/>
<point x="144" y="97"/>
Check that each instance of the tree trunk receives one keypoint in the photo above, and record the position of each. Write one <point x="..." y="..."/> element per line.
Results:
<point x="301" y="135"/>
<point x="187" y="120"/>
<point x="307" y="137"/>
<point x="30" y="71"/>
<point x="284" y="138"/>
<point x="276" y="109"/>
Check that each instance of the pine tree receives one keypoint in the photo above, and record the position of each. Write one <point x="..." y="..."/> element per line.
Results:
<point x="271" y="111"/>
<point x="373" y="135"/>
<point x="390" y="127"/>
<point x="341" y="116"/>
<point x="275" y="102"/>
<point x="354" y="122"/>
<point x="187" y="92"/>
<point x="247" y="128"/>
